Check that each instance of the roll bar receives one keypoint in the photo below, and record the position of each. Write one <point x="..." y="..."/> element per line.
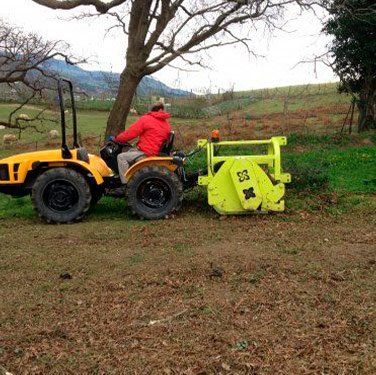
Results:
<point x="64" y="147"/>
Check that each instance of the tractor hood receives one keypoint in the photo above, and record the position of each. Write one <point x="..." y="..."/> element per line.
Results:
<point x="44" y="155"/>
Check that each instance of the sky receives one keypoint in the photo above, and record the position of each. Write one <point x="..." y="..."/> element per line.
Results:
<point x="230" y="66"/>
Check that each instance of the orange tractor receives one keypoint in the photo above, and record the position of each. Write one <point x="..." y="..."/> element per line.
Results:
<point x="65" y="183"/>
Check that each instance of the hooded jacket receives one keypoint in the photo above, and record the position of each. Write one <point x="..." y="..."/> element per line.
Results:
<point x="151" y="129"/>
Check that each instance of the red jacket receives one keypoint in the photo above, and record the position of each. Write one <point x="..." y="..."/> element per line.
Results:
<point x="152" y="130"/>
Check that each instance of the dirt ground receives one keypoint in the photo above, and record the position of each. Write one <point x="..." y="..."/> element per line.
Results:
<point x="290" y="294"/>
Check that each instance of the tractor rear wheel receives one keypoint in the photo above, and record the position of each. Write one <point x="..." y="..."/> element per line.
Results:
<point x="61" y="195"/>
<point x="154" y="193"/>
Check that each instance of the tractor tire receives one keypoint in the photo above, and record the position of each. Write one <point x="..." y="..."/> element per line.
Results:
<point x="154" y="193"/>
<point x="61" y="195"/>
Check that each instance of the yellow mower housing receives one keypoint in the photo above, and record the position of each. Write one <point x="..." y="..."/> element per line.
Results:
<point x="239" y="184"/>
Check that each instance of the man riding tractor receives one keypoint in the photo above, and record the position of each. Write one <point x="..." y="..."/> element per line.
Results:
<point x="152" y="131"/>
<point x="149" y="174"/>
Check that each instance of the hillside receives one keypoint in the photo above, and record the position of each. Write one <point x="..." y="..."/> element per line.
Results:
<point x="98" y="82"/>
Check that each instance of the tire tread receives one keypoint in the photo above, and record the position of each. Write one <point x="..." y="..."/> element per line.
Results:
<point x="70" y="174"/>
<point x="133" y="184"/>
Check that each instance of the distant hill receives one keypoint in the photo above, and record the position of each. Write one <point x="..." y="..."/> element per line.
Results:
<point x="100" y="82"/>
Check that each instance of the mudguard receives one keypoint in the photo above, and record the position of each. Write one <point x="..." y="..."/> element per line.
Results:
<point x="162" y="161"/>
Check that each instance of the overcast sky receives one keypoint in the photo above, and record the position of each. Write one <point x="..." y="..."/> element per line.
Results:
<point x="230" y="66"/>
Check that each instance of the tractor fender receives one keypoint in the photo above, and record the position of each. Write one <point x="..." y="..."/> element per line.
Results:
<point x="162" y="161"/>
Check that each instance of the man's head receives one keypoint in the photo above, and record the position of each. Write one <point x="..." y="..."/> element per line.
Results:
<point x="157" y="107"/>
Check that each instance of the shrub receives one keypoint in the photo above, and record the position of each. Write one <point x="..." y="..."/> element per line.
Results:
<point x="296" y="139"/>
<point x="308" y="175"/>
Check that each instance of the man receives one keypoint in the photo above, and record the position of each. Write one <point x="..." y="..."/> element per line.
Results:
<point x="152" y="130"/>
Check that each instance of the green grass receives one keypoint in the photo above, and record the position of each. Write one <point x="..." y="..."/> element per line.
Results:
<point x="322" y="140"/>
<point x="326" y="89"/>
<point x="15" y="208"/>
<point x="276" y="104"/>
<point x="349" y="170"/>
<point x="107" y="209"/>
<point x="94" y="105"/>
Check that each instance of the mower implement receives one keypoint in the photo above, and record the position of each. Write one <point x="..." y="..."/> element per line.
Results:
<point x="238" y="184"/>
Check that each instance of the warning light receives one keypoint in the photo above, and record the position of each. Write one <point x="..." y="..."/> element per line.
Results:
<point x="215" y="135"/>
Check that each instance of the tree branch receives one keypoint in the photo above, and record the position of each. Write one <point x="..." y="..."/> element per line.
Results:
<point x="100" y="6"/>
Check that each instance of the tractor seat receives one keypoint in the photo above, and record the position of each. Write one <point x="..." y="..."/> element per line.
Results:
<point x="167" y="146"/>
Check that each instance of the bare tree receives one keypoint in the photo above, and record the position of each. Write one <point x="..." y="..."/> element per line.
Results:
<point x="24" y="71"/>
<point x="160" y="31"/>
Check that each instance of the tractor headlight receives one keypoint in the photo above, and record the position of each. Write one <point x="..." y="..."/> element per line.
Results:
<point x="4" y="172"/>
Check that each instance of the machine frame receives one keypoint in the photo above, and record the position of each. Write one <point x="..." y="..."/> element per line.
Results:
<point x="238" y="184"/>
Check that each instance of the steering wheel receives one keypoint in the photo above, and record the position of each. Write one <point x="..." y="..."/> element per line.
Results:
<point x="123" y="144"/>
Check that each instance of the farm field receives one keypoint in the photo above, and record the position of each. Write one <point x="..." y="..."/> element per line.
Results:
<point x="290" y="293"/>
<point x="146" y="298"/>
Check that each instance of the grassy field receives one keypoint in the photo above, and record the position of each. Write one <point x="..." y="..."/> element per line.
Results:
<point x="290" y="293"/>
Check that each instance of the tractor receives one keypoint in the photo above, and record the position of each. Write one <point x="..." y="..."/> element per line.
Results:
<point x="66" y="182"/>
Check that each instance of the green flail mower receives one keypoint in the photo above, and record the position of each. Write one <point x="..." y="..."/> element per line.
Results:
<point x="238" y="184"/>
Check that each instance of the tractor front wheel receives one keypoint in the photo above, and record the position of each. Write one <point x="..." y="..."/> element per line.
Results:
<point x="61" y="195"/>
<point x="154" y="193"/>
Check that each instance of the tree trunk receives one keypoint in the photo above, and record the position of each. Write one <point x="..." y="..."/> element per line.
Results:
<point x="122" y="105"/>
<point x="366" y="106"/>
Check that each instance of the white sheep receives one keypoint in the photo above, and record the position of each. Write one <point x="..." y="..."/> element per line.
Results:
<point x="9" y="138"/>
<point x="23" y="116"/>
<point x="53" y="134"/>
<point x="133" y="111"/>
